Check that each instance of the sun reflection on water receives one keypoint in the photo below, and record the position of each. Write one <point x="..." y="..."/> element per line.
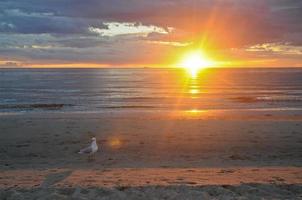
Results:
<point x="194" y="111"/>
<point x="193" y="87"/>
<point x="194" y="91"/>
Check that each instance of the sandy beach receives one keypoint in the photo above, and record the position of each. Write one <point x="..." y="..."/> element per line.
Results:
<point x="152" y="156"/>
<point x="150" y="100"/>
<point x="153" y="183"/>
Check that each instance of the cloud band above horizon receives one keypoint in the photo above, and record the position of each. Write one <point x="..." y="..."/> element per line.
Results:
<point x="149" y="33"/>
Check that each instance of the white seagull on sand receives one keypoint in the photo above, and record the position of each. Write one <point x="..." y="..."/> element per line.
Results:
<point x="91" y="149"/>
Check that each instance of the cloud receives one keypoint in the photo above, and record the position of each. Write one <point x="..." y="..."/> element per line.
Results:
<point x="7" y="64"/>
<point x="119" y="31"/>
<point x="115" y="29"/>
<point x="17" y="21"/>
<point x="279" y="48"/>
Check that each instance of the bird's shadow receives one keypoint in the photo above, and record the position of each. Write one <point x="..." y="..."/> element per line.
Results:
<point x="54" y="178"/>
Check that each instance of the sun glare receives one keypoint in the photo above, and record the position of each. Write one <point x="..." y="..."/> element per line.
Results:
<point x="195" y="61"/>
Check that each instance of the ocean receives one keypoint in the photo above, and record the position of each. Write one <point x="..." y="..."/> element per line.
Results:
<point x="148" y="90"/>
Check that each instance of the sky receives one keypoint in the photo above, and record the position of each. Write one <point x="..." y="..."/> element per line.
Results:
<point x="144" y="33"/>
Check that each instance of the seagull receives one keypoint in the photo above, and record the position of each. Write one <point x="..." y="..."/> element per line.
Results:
<point x="91" y="149"/>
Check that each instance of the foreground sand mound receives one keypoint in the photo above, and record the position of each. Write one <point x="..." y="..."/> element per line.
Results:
<point x="244" y="191"/>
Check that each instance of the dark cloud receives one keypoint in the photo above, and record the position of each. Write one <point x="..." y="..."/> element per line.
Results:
<point x="59" y="29"/>
<point x="17" y="21"/>
<point x="262" y="18"/>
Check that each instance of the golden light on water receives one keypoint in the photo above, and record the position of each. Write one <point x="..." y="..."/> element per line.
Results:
<point x="194" y="111"/>
<point x="195" y="61"/>
<point x="194" y="91"/>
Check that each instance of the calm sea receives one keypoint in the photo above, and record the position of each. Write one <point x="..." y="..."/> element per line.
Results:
<point x="115" y="90"/>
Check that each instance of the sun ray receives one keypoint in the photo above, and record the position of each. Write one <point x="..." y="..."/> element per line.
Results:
<point x="195" y="61"/>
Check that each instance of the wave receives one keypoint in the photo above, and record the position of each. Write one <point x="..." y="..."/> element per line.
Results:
<point x="127" y="106"/>
<point x="249" y="99"/>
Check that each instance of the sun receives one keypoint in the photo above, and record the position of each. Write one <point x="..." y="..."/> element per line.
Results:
<point x="195" y="61"/>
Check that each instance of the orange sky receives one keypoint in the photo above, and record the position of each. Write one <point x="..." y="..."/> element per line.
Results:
<point x="232" y="33"/>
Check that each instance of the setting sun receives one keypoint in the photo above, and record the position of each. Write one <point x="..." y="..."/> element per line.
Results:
<point x="195" y="61"/>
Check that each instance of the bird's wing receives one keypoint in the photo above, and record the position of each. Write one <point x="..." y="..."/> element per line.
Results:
<point x="86" y="150"/>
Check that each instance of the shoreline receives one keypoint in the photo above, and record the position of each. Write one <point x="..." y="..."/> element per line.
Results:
<point x="191" y="114"/>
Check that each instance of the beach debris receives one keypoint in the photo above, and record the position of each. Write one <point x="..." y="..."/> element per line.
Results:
<point x="91" y="149"/>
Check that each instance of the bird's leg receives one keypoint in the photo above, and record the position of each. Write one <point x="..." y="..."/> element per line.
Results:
<point x="91" y="158"/>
